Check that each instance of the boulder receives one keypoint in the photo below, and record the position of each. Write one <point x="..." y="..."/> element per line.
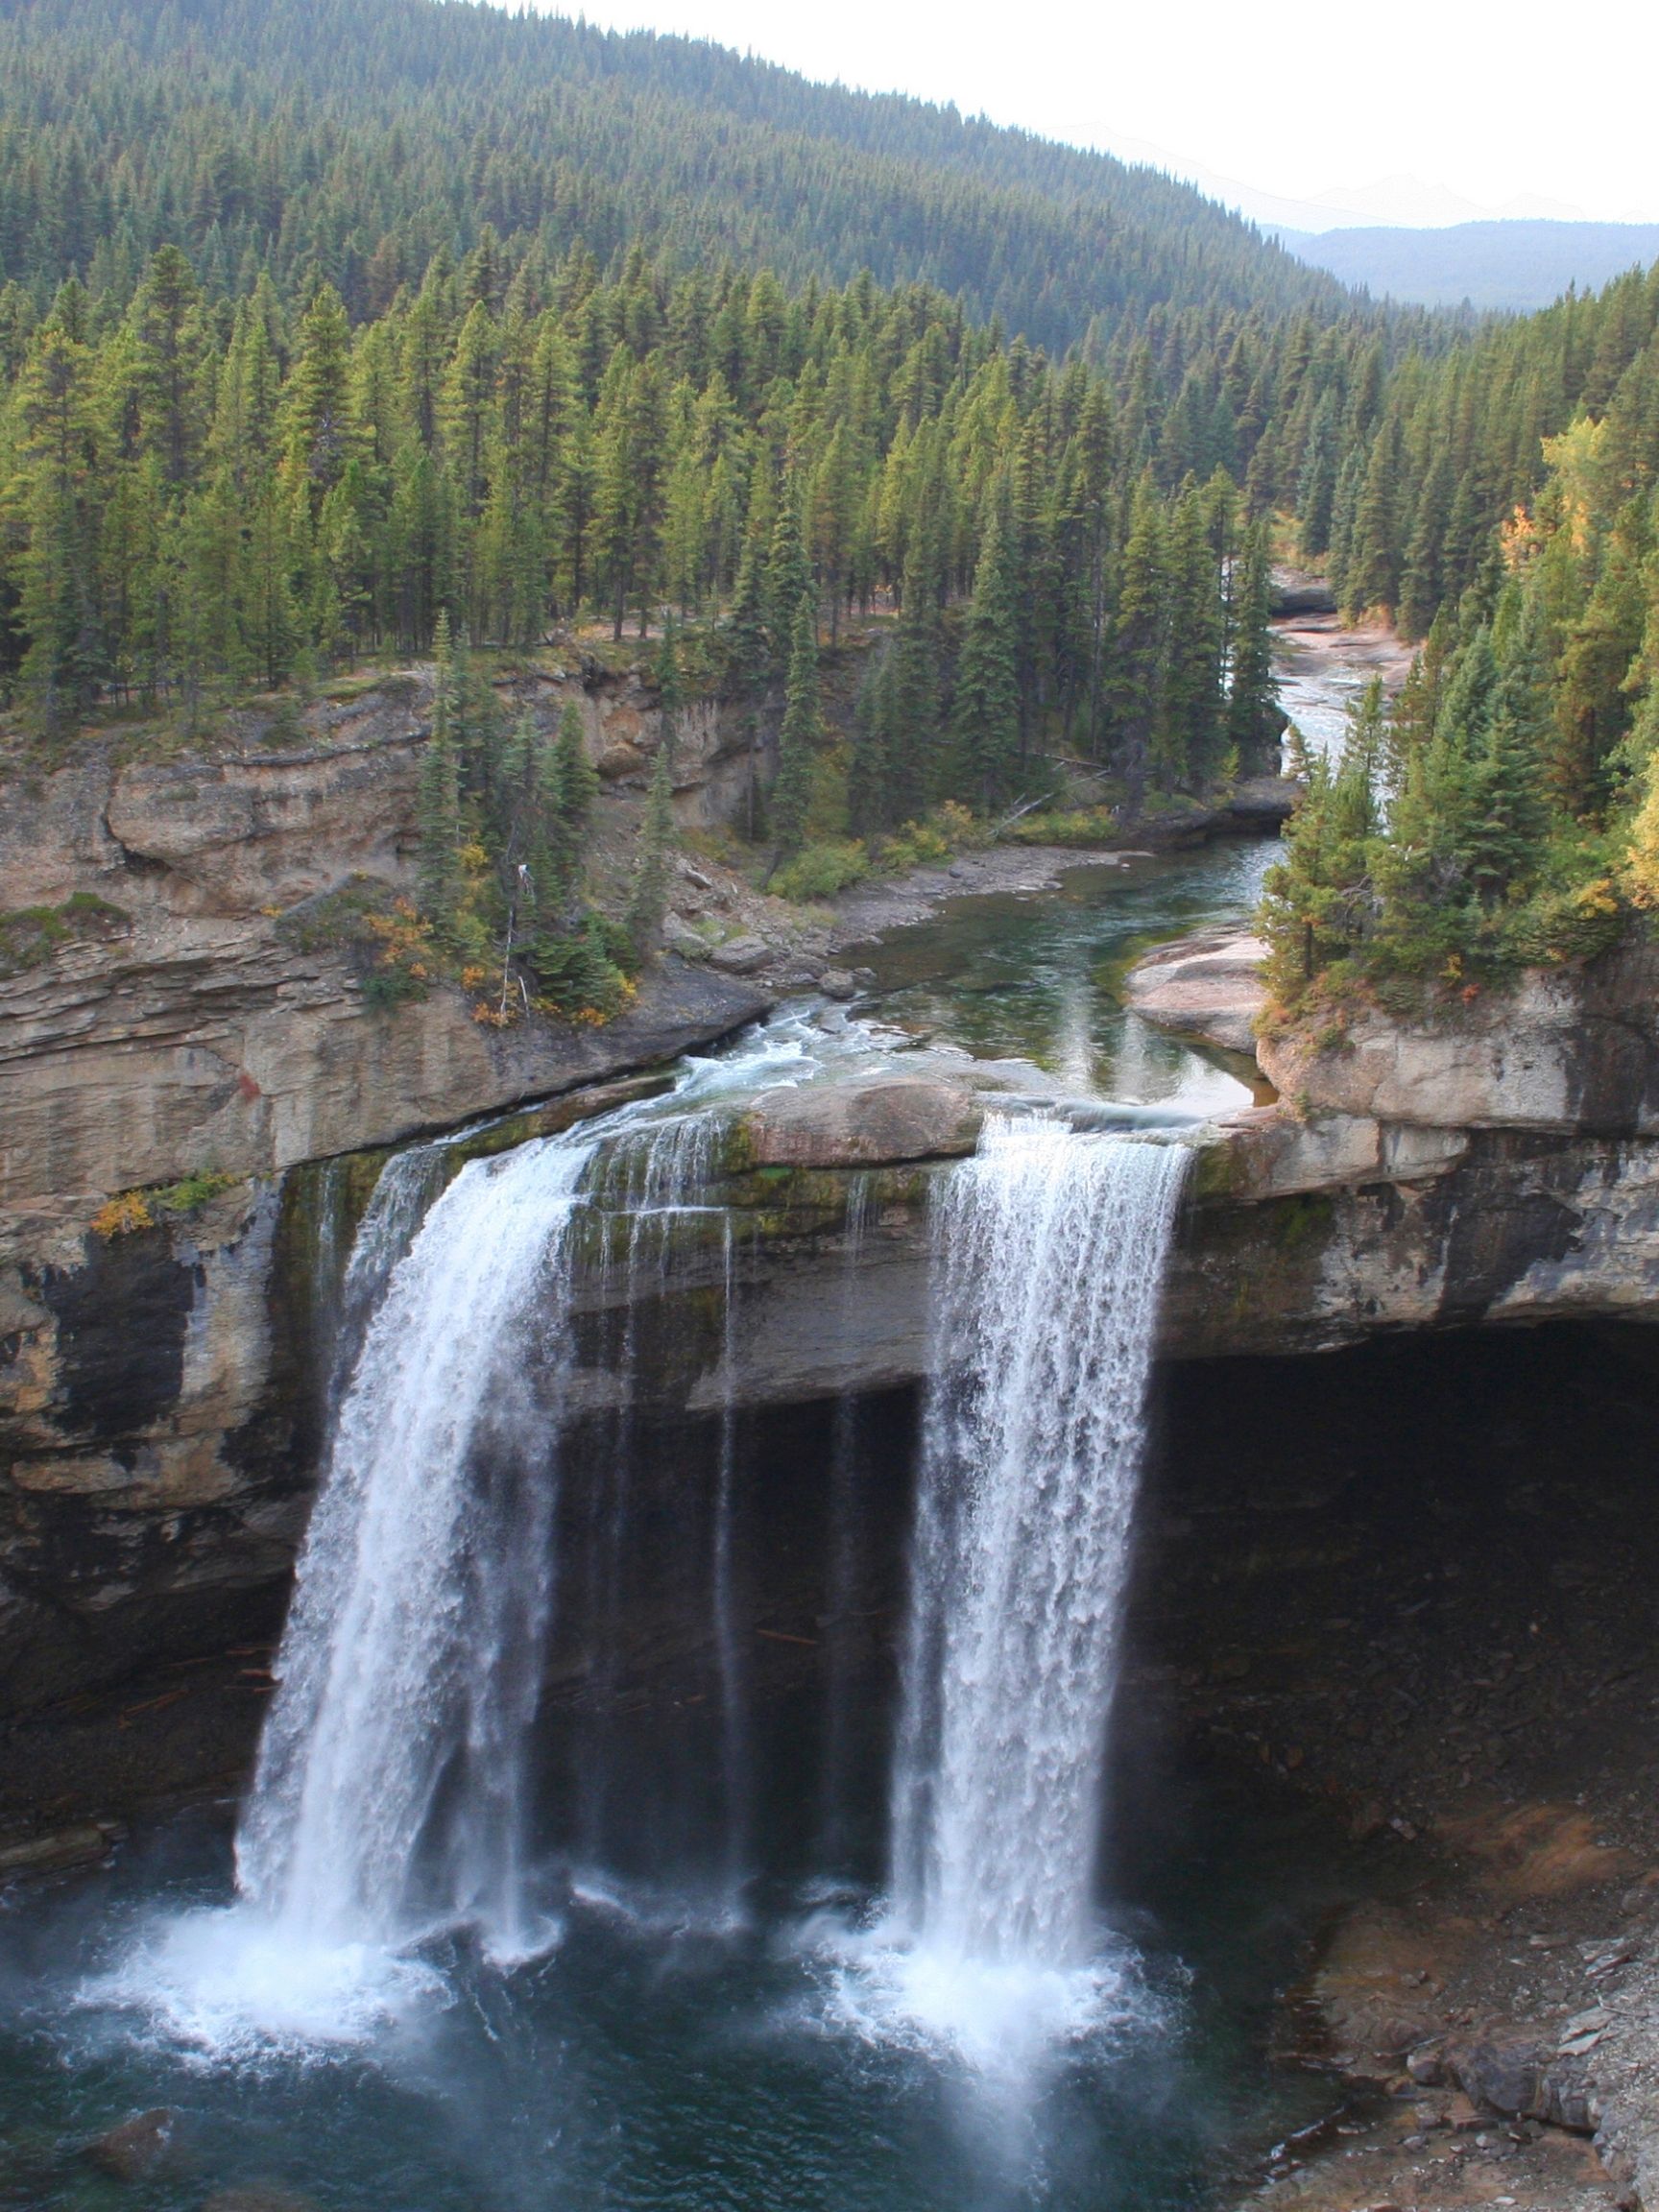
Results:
<point x="859" y="1124"/>
<point x="1517" y="2071"/>
<point x="1208" y="985"/>
<point x="132" y="2150"/>
<point x="741" y="955"/>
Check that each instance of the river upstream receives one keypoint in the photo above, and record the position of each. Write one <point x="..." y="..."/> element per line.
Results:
<point x="857" y="1905"/>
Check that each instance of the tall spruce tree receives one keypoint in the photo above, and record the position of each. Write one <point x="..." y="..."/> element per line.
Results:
<point x="985" y="713"/>
<point x="801" y="733"/>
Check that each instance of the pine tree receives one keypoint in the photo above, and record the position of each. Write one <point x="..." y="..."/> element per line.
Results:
<point x="911" y="695"/>
<point x="670" y="697"/>
<point x="870" y="776"/>
<point x="1135" y="695"/>
<point x="801" y="733"/>
<point x="985" y="717"/>
<point x="788" y="578"/>
<point x="1316" y="492"/>
<point x="648" y="895"/>
<point x="439" y="806"/>
<point x="1188" y="732"/>
<point x="572" y="789"/>
<point x="1254" y="717"/>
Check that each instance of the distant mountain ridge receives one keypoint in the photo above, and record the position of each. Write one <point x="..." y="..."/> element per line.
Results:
<point x="1514" y="265"/>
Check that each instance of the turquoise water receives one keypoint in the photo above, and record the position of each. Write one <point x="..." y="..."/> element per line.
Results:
<point x="648" y="2061"/>
<point x="1039" y="975"/>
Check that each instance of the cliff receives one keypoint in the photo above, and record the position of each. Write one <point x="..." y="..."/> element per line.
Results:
<point x="179" y="1020"/>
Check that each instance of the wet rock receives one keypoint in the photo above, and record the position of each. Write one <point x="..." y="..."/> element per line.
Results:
<point x="884" y="1118"/>
<point x="87" y="1844"/>
<point x="138" y="2146"/>
<point x="838" y="983"/>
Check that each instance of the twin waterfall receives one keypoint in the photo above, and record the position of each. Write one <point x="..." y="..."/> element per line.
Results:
<point x="395" y="1790"/>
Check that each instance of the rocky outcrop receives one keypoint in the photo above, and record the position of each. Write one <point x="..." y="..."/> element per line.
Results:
<point x="1206" y="985"/>
<point x="217" y="1046"/>
<point x="1567" y="1050"/>
<point x="881" y="1118"/>
<point x="164" y="1026"/>
<point x="1293" y="592"/>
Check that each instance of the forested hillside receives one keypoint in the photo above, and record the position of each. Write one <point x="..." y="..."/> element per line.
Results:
<point x="200" y="501"/>
<point x="349" y="140"/>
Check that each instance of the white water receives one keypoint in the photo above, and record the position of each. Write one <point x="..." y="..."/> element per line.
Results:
<point x="409" y="1662"/>
<point x="1049" y="1252"/>
<point x="390" y="1799"/>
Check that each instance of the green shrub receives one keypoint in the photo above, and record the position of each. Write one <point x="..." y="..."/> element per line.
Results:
<point x="1080" y="827"/>
<point x="32" y="934"/>
<point x="820" y="871"/>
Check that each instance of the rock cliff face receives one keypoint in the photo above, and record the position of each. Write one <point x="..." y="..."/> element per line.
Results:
<point x="161" y="1022"/>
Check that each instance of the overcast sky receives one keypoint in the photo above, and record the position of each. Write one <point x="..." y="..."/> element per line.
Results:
<point x="1453" y="107"/>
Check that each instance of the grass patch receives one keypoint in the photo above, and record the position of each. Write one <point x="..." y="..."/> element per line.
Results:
<point x="30" y="935"/>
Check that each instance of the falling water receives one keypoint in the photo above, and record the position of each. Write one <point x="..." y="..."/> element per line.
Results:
<point x="1048" y="1254"/>
<point x="408" y="1669"/>
<point x="844" y="1559"/>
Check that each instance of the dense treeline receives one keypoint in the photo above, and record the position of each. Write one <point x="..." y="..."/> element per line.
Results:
<point x="199" y="500"/>
<point x="349" y="141"/>
<point x="1506" y="808"/>
<point x="1402" y="473"/>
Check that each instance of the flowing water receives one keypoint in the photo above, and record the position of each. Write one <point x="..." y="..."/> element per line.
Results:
<point x="1050" y="1250"/>
<point x="1037" y="976"/>
<point x="515" y="1925"/>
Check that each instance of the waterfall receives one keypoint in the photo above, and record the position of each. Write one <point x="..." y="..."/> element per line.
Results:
<point x="844" y="1557"/>
<point x="1050" y="1250"/>
<point x="391" y="1780"/>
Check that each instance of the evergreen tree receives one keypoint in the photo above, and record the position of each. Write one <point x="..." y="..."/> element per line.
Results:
<point x="572" y="789"/>
<point x="802" y="732"/>
<point x="985" y="716"/>
<point x="870" y="773"/>
<point x="1254" y="717"/>
<point x="648" y="895"/>
<point x="670" y="698"/>
<point x="438" y="812"/>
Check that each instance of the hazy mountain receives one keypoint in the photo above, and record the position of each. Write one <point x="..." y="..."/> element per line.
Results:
<point x="1513" y="265"/>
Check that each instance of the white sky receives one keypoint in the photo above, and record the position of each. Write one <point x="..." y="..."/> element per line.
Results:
<point x="1456" y="107"/>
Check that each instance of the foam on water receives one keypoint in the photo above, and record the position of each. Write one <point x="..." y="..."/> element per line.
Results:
<point x="232" y="1987"/>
